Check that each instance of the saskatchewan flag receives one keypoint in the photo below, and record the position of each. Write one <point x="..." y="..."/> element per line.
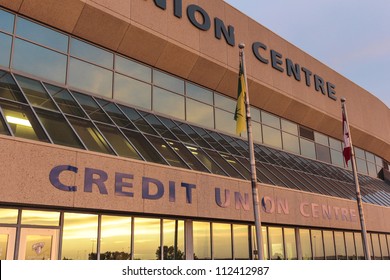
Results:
<point x="240" y="114"/>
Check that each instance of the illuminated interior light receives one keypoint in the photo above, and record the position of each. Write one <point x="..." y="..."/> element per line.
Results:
<point x="194" y="153"/>
<point x="231" y="161"/>
<point x="18" y="121"/>
<point x="163" y="146"/>
<point x="192" y="148"/>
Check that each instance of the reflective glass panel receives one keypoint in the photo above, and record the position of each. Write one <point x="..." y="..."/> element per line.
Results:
<point x="136" y="118"/>
<point x="351" y="252"/>
<point x="290" y="143"/>
<point x="186" y="153"/>
<point x="289" y="127"/>
<point x="290" y="244"/>
<point x="133" y="69"/>
<point x="200" y="113"/>
<point x="79" y="241"/>
<point x="335" y="144"/>
<point x="116" y="115"/>
<point x="330" y="253"/>
<point x="65" y="101"/>
<point x="199" y="93"/>
<point x="22" y="121"/>
<point x="5" y="47"/>
<point x="157" y="125"/>
<point x="9" y="89"/>
<point x="224" y="164"/>
<point x="255" y="114"/>
<point x="3" y="127"/>
<point x="91" y="107"/>
<point x="270" y="120"/>
<point x="58" y="129"/>
<point x="38" y="247"/>
<point x="35" y="93"/>
<point x="148" y="152"/>
<point x="202" y="241"/>
<point x="115" y="238"/>
<point x="90" y="136"/>
<point x="91" y="53"/>
<point x="337" y="158"/>
<point x="306" y="133"/>
<point x="226" y="103"/>
<point x="321" y="139"/>
<point x="307" y="148"/>
<point x="168" y="82"/>
<point x="39" y="61"/>
<point x="166" y="151"/>
<point x="370" y="157"/>
<point x="8" y="216"/>
<point x="379" y="161"/>
<point x="168" y="103"/>
<point x="173" y="240"/>
<point x="272" y="137"/>
<point x="41" y="35"/>
<point x="275" y="239"/>
<point x="3" y="243"/>
<point x="340" y="245"/>
<point x="318" y="248"/>
<point x="359" y="245"/>
<point x="41" y="218"/>
<point x="224" y="121"/>
<point x="118" y="141"/>
<point x="257" y="134"/>
<point x="146" y="238"/>
<point x="222" y="241"/>
<point x="133" y="92"/>
<point x="361" y="166"/>
<point x="359" y="153"/>
<point x="90" y="78"/>
<point x="384" y="249"/>
<point x="376" y="247"/>
<point x="264" y="236"/>
<point x="372" y="169"/>
<point x="7" y="21"/>
<point x="206" y="160"/>
<point x="323" y="153"/>
<point x="304" y="235"/>
<point x="241" y="242"/>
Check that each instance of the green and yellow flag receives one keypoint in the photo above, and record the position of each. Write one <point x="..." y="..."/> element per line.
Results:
<point x="240" y="114"/>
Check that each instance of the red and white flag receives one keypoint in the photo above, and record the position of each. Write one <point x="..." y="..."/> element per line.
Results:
<point x="347" y="140"/>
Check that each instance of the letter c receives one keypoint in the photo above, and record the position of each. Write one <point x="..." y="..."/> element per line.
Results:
<point x="55" y="174"/>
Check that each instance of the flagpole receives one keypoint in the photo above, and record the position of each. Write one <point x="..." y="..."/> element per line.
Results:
<point x="366" y="248"/>
<point x="255" y="195"/>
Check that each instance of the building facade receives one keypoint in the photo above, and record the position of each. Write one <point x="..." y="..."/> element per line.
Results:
<point x="117" y="138"/>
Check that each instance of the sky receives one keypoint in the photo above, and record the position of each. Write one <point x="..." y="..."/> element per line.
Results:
<point x="350" y="36"/>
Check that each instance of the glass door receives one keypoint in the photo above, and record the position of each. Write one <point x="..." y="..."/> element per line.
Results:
<point x="38" y="244"/>
<point x="7" y="243"/>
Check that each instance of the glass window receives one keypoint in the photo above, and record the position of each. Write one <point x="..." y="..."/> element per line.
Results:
<point x="91" y="53"/>
<point x="241" y="242"/>
<point x="361" y="166"/>
<point x="40" y="218"/>
<point x="289" y="127"/>
<point x="146" y="238"/>
<point x="22" y="122"/>
<point x="340" y="245"/>
<point x="321" y="139"/>
<point x="272" y="137"/>
<point x="168" y="103"/>
<point x="186" y="153"/>
<point x="379" y="161"/>
<point x="199" y="93"/>
<point x="351" y="252"/>
<point x="376" y="247"/>
<point x="275" y="239"/>
<point x="90" y="78"/>
<point x="222" y="241"/>
<point x="337" y="158"/>
<point x="202" y="243"/>
<point x="290" y="143"/>
<point x="133" y="92"/>
<point x="330" y="253"/>
<point x="264" y="237"/>
<point x="306" y="133"/>
<point x="168" y="82"/>
<point x="90" y="136"/>
<point x="173" y="240"/>
<point x="206" y="160"/>
<point x="335" y="144"/>
<point x="372" y="169"/>
<point x="8" y="216"/>
<point x="143" y="146"/>
<point x="115" y="238"/>
<point x="256" y="132"/>
<point x="359" y="153"/>
<point x="270" y="120"/>
<point x="9" y="89"/>
<point x="116" y="115"/>
<point x="384" y="250"/>
<point x="255" y="114"/>
<point x="290" y="244"/>
<point x="158" y="125"/>
<point x="370" y="157"/>
<point x="5" y="47"/>
<point x="200" y="113"/>
<point x="39" y="61"/>
<point x="133" y="69"/>
<point x="224" y="164"/>
<point x="7" y="21"/>
<point x="41" y="35"/>
<point x="58" y="129"/>
<point x="323" y="153"/>
<point x="79" y="241"/>
<point x="304" y="235"/>
<point x="139" y="121"/>
<point x="3" y="127"/>
<point x="226" y="103"/>
<point x="307" y="148"/>
<point x="318" y="248"/>
<point x="65" y="101"/>
<point x="35" y="93"/>
<point x="224" y="121"/>
<point x="92" y="108"/>
<point x="359" y="245"/>
<point x="118" y="141"/>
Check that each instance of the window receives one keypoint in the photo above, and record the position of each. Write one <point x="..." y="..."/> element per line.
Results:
<point x="8" y="216"/>
<point x="7" y="21"/>
<point x="200" y="113"/>
<point x="202" y="243"/>
<point x="290" y="244"/>
<point x="9" y="89"/>
<point x="275" y="239"/>
<point x="92" y="108"/>
<point x="168" y="103"/>
<point x="115" y="238"/>
<point x="65" y="101"/>
<point x="330" y="253"/>
<point x="340" y="245"/>
<point x="40" y="218"/>
<point x="168" y="82"/>
<point x="225" y="103"/>
<point x="306" y="133"/>
<point x="146" y="238"/>
<point x="133" y="69"/>
<point x="290" y="143"/>
<point x="289" y="127"/>
<point x="307" y="148"/>
<point x="5" y="47"/>
<point x="222" y="241"/>
<point x="241" y="242"/>
<point x="133" y="92"/>
<point x="350" y="244"/>
<point x="91" y="53"/>
<point x="224" y="121"/>
<point x="272" y="137"/>
<point x="270" y="120"/>
<point x="199" y="93"/>
<point x="173" y="232"/>
<point x="304" y="235"/>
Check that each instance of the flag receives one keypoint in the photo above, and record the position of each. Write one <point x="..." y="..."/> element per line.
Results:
<point x="240" y="114"/>
<point x="347" y="140"/>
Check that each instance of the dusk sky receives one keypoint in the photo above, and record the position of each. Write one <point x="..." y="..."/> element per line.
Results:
<point x="350" y="36"/>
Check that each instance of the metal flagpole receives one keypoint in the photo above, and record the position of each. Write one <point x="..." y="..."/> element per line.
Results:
<point x="255" y="195"/>
<point x="366" y="248"/>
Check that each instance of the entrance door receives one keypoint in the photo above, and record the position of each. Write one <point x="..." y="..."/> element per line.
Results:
<point x="7" y="243"/>
<point x="38" y="244"/>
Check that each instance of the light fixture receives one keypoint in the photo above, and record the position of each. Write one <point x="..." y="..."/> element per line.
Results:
<point x="18" y="121"/>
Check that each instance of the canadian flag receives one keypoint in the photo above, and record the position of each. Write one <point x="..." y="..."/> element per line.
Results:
<point x="347" y="140"/>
